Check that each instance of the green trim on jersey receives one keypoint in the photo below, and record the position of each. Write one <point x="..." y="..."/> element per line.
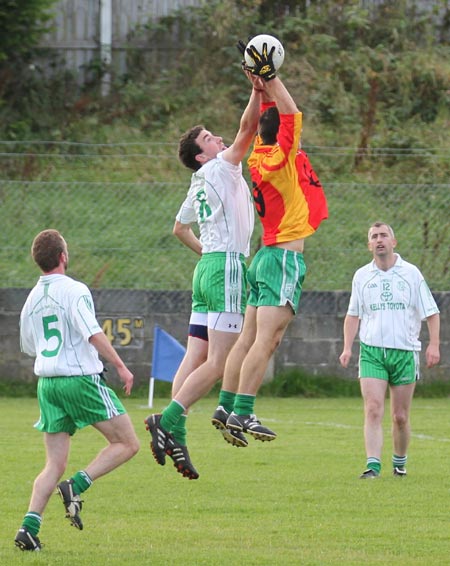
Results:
<point x="71" y="403"/>
<point x="398" y="367"/>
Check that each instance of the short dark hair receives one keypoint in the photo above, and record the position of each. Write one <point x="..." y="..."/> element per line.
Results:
<point x="269" y="123"/>
<point x="47" y="248"/>
<point x="379" y="223"/>
<point x="188" y="148"/>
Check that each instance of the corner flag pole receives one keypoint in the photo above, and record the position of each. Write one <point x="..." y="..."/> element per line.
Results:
<point x="167" y="356"/>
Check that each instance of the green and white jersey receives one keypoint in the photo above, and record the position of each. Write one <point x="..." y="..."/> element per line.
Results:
<point x="56" y="322"/>
<point x="391" y="305"/>
<point x="219" y="201"/>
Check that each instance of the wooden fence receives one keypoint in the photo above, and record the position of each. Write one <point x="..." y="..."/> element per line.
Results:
<point x="84" y="31"/>
<point x="92" y="32"/>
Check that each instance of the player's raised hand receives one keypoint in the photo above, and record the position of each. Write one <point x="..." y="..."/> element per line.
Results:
<point x="241" y="48"/>
<point x="257" y="82"/>
<point x="263" y="62"/>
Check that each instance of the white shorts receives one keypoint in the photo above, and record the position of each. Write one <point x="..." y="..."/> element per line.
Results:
<point x="200" y="318"/>
<point x="226" y="321"/>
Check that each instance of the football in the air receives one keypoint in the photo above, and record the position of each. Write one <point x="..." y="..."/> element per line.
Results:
<point x="258" y="42"/>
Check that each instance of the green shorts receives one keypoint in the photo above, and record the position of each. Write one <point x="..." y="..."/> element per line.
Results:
<point x="70" y="403"/>
<point x="398" y="367"/>
<point x="220" y="283"/>
<point x="276" y="277"/>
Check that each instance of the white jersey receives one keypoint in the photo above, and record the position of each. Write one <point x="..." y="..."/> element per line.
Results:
<point x="56" y="322"/>
<point x="219" y="201"/>
<point x="391" y="305"/>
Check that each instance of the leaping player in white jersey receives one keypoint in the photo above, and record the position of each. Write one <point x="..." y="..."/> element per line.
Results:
<point x="59" y="329"/>
<point x="219" y="201"/>
<point x="391" y="298"/>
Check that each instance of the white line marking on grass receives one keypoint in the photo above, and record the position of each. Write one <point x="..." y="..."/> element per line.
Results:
<point x="316" y="423"/>
<point x="340" y="425"/>
<point x="428" y="437"/>
<point x="331" y="425"/>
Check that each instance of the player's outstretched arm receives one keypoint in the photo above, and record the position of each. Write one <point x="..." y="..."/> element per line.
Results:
<point x="280" y="94"/>
<point x="247" y="127"/>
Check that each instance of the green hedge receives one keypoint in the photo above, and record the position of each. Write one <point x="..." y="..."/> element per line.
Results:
<point x="293" y="383"/>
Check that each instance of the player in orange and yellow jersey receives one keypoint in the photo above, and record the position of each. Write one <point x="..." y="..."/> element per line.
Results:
<point x="291" y="204"/>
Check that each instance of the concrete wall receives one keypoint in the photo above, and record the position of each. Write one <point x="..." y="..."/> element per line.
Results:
<point x="312" y="342"/>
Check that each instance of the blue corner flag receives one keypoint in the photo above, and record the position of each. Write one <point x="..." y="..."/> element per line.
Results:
<point x="166" y="357"/>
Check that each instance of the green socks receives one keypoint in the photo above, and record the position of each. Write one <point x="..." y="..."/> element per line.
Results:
<point x="171" y="415"/>
<point x="81" y="482"/>
<point x="32" y="522"/>
<point x="374" y="464"/>
<point x="399" y="461"/>
<point x="244" y="404"/>
<point x="179" y="430"/>
<point x="226" y="400"/>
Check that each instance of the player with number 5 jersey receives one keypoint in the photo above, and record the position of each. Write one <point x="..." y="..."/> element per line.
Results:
<point x="58" y="327"/>
<point x="60" y="343"/>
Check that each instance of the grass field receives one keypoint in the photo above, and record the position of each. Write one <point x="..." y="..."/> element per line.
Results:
<point x="295" y="501"/>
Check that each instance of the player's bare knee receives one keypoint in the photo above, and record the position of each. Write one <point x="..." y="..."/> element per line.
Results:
<point x="374" y="410"/>
<point x="134" y="446"/>
<point x="400" y="418"/>
<point x="129" y="448"/>
<point x="130" y="443"/>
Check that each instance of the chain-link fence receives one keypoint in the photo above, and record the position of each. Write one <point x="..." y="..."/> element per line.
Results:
<point x="119" y="228"/>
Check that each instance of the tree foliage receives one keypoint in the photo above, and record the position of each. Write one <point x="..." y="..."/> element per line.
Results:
<point x="355" y="67"/>
<point x="22" y="24"/>
<point x="349" y="66"/>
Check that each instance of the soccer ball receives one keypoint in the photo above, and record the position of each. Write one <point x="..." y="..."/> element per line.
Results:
<point x="258" y="41"/>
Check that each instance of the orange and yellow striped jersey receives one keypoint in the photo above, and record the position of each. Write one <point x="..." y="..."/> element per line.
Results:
<point x="287" y="193"/>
